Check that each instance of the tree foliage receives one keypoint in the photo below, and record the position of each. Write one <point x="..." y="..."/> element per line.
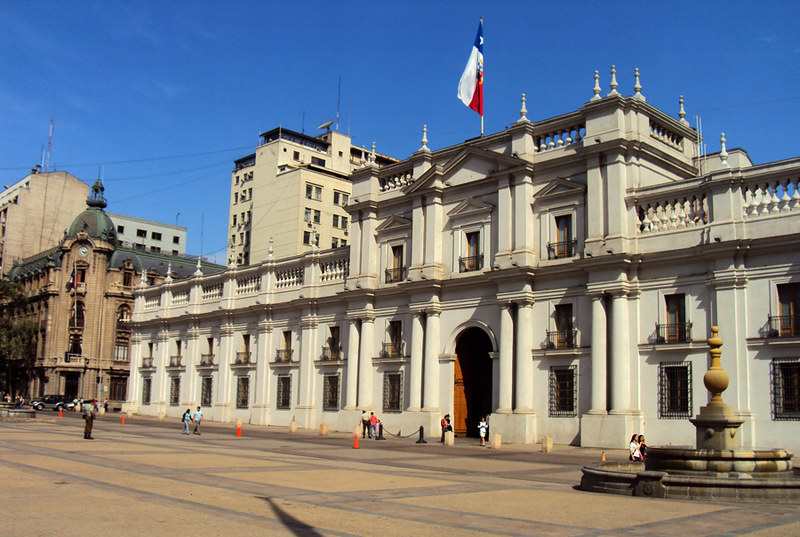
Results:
<point x="18" y="336"/>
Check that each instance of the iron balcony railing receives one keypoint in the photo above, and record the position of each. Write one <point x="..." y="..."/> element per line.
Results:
<point x="471" y="263"/>
<point x="783" y="326"/>
<point x="176" y="361"/>
<point x="391" y="350"/>
<point x="206" y="359"/>
<point x="242" y="358"/>
<point x="396" y="274"/>
<point x="674" y="333"/>
<point x="331" y="353"/>
<point x="283" y="355"/>
<point x="559" y="250"/>
<point x="562" y="339"/>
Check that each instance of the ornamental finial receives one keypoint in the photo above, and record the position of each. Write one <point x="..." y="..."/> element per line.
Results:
<point x="168" y="277"/>
<point x="596" y="89"/>
<point x="270" y="249"/>
<point x="682" y="112"/>
<point x="723" y="150"/>
<point x="613" y="83"/>
<point x="143" y="279"/>
<point x="199" y="271"/>
<point x="423" y="148"/>
<point x="523" y="109"/>
<point x="637" y="86"/>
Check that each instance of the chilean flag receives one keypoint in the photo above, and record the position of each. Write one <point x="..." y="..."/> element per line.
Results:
<point x="470" y="87"/>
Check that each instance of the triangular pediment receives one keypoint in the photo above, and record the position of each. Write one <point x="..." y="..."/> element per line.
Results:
<point x="470" y="207"/>
<point x="394" y="222"/>
<point x="560" y="187"/>
<point x="465" y="166"/>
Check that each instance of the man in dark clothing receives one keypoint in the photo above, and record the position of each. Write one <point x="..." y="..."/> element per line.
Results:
<point x="364" y="424"/>
<point x="88" y="418"/>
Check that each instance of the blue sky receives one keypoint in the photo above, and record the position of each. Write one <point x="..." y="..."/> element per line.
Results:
<point x="167" y="94"/>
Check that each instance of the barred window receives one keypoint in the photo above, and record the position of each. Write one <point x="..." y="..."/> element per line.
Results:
<point x="147" y="383"/>
<point x="119" y="388"/>
<point x="675" y="390"/>
<point x="205" y="391"/>
<point x="284" y="400"/>
<point x="330" y="392"/>
<point x="242" y="392"/>
<point x="393" y="392"/>
<point x="563" y="391"/>
<point x="174" y="391"/>
<point x="786" y="389"/>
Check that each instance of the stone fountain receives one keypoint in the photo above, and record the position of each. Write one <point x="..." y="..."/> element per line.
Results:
<point x="716" y="469"/>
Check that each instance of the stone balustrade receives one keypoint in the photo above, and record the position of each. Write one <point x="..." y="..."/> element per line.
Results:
<point x="397" y="179"/>
<point x="151" y="302"/>
<point x="212" y="291"/>
<point x="336" y="269"/>
<point x="662" y="133"/>
<point x="559" y="137"/>
<point x="673" y="213"/>
<point x="180" y="297"/>
<point x="770" y="197"/>
<point x="289" y="276"/>
<point x="248" y="284"/>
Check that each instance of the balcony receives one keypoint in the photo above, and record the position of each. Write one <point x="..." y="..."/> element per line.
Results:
<point x="79" y="288"/>
<point x="176" y="361"/>
<point x="147" y="362"/>
<point x="560" y="250"/>
<point x="562" y="339"/>
<point x="242" y="358"/>
<point x="391" y="350"/>
<point x="206" y="360"/>
<point x="283" y="356"/>
<point x="783" y="326"/>
<point x="673" y="333"/>
<point x="331" y="353"/>
<point x="394" y="275"/>
<point x="470" y="264"/>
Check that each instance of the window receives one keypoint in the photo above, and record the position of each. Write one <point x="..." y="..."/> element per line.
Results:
<point x="242" y="392"/>
<point x="235" y="198"/>
<point x="675" y="390"/>
<point x="343" y="242"/>
<point x="343" y="221"/>
<point x="80" y="275"/>
<point x="676" y="329"/>
<point x="205" y="391"/>
<point x="786" y="389"/>
<point x="394" y="333"/>
<point x="121" y="353"/>
<point x="174" y="391"/>
<point x="318" y="161"/>
<point x="334" y="242"/>
<point x="395" y="271"/>
<point x="313" y="192"/>
<point x="563" y="391"/>
<point x="119" y="389"/>
<point x="120" y="229"/>
<point x="296" y="155"/>
<point x="308" y="237"/>
<point x="787" y="324"/>
<point x="473" y="260"/>
<point x="155" y="235"/>
<point x="392" y="392"/>
<point x="156" y="249"/>
<point x="287" y="340"/>
<point x="336" y="220"/>
<point x="330" y="392"/>
<point x="78" y="315"/>
<point x="138" y="246"/>
<point x="127" y="278"/>
<point x="340" y="198"/>
<point x="234" y="219"/>
<point x="563" y="246"/>
<point x="149" y="350"/>
<point x="175" y="252"/>
<point x="141" y="233"/>
<point x="317" y="216"/>
<point x="564" y="335"/>
<point x="284" y="397"/>
<point x="147" y="384"/>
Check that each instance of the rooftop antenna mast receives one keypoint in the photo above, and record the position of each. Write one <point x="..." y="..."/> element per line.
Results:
<point x="338" y="102"/>
<point x="700" y="145"/>
<point x="51" y="131"/>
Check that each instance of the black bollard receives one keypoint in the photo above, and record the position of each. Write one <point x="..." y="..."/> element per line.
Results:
<point x="380" y="432"/>
<point x="421" y="439"/>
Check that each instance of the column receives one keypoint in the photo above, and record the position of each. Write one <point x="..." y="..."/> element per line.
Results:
<point x="226" y="351"/>
<point x="595" y="213"/>
<point x="415" y="367"/>
<point x="190" y="360"/>
<point x="417" y="233"/>
<point x="523" y="215"/>
<point x="368" y="245"/>
<point x="263" y="344"/>
<point x="161" y="371"/>
<point x="355" y="245"/>
<point x="308" y="329"/>
<point x="365" y="363"/>
<point x="504" y="215"/>
<point x="352" y="364"/>
<point x="599" y="404"/>
<point x="433" y="231"/>
<point x="620" y="355"/>
<point x="132" y="394"/>
<point x="432" y="360"/>
<point x="524" y="359"/>
<point x="506" y="358"/>
<point x="616" y="188"/>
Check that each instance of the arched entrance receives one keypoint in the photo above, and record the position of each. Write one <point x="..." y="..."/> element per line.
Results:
<point x="472" y="383"/>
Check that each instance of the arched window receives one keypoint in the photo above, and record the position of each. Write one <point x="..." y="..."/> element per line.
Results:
<point x="78" y="315"/>
<point x="123" y="313"/>
<point x="122" y="344"/>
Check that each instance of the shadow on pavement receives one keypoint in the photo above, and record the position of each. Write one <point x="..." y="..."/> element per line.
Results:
<point x="296" y="526"/>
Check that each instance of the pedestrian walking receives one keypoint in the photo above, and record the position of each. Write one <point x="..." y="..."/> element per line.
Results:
<point x="186" y="419"/>
<point x="88" y="418"/>
<point x="482" y="428"/>
<point x="444" y="423"/>
<point x="198" y="417"/>
<point x="373" y="426"/>
<point x="105" y="406"/>
<point x="364" y="424"/>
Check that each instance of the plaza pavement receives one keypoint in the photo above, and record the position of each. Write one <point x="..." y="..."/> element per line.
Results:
<point x="145" y="478"/>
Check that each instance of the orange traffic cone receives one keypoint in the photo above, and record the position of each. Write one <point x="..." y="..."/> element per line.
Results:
<point x="60" y="412"/>
<point x="238" y="428"/>
<point x="122" y="419"/>
<point x="355" y="441"/>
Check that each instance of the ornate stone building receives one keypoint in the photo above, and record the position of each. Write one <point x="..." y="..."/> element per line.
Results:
<point x="80" y="292"/>
<point x="560" y="276"/>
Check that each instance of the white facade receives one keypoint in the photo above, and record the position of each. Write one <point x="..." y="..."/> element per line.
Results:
<point x="150" y="235"/>
<point x="554" y="275"/>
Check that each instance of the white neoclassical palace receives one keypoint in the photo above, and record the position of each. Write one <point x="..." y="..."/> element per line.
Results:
<point x="560" y="276"/>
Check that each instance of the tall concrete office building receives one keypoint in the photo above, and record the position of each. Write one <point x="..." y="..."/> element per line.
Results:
<point x="149" y="235"/>
<point x="293" y="189"/>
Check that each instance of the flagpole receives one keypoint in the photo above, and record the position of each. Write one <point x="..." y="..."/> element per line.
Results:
<point x="481" y="125"/>
<point x="483" y="101"/>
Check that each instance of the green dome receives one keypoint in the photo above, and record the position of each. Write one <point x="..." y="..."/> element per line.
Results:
<point x="94" y="221"/>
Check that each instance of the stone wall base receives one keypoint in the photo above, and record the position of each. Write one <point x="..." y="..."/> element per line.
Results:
<point x="514" y="428"/>
<point x="609" y="430"/>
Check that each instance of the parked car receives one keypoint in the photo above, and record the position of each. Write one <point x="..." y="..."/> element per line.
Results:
<point x="53" y="402"/>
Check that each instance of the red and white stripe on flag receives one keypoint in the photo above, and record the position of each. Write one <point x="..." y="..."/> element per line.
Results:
<point x="470" y="87"/>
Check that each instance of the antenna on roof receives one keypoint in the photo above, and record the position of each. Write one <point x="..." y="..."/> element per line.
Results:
<point x="700" y="146"/>
<point x="326" y="126"/>
<point x="303" y="122"/>
<point x="51" y="131"/>
<point x="338" y="102"/>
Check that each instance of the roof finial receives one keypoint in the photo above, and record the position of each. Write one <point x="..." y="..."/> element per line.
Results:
<point x="199" y="271"/>
<point x="596" y="89"/>
<point x="424" y="147"/>
<point x="523" y="109"/>
<point x="168" y="278"/>
<point x="637" y="86"/>
<point x="270" y="250"/>
<point x="613" y="83"/>
<point x="682" y="112"/>
<point x="96" y="198"/>
<point x="372" y="154"/>
<point x="143" y="278"/>
<point x="723" y="150"/>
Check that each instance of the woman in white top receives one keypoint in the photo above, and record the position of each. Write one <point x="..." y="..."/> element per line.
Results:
<point x="482" y="426"/>
<point x="635" y="455"/>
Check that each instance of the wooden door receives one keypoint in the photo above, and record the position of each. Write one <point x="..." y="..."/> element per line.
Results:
<point x="459" y="417"/>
